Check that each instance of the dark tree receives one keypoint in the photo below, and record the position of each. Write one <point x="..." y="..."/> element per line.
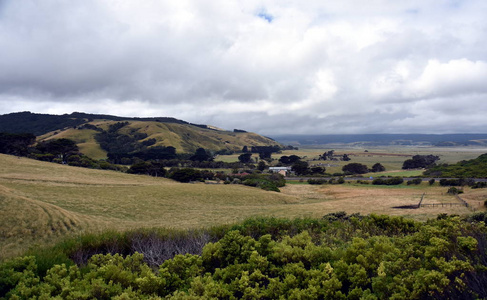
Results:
<point x="261" y="166"/>
<point x="420" y="161"/>
<point x="265" y="155"/>
<point x="245" y="157"/>
<point x="201" y="155"/>
<point x="294" y="158"/>
<point x="148" y="168"/>
<point x="265" y="152"/>
<point x="355" y="168"/>
<point x="378" y="168"/>
<point x="245" y="149"/>
<point x="186" y="175"/>
<point x="289" y="160"/>
<point x="16" y="144"/>
<point x="327" y="155"/>
<point x="62" y="148"/>
<point x="345" y="157"/>
<point x="156" y="153"/>
<point x="300" y="167"/>
<point x="318" y="170"/>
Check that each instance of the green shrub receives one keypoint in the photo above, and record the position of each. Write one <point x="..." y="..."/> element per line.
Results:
<point x="389" y="181"/>
<point x="337" y="257"/>
<point x="317" y="181"/>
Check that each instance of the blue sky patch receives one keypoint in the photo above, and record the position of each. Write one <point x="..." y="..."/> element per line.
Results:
<point x="266" y="16"/>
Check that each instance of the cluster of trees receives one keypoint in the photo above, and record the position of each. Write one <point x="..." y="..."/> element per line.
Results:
<point x="37" y="124"/>
<point x="63" y="151"/>
<point x="338" y="257"/>
<point x="358" y="168"/>
<point x="16" y="144"/>
<point x="268" y="182"/>
<point x="462" y="182"/>
<point x="289" y="160"/>
<point x="330" y="155"/>
<point x="265" y="152"/>
<point x="473" y="168"/>
<point x="420" y="162"/>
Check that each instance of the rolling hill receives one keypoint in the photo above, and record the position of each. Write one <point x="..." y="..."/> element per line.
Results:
<point x="83" y="128"/>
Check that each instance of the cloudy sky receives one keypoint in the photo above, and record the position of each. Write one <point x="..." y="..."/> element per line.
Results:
<point x="273" y="67"/>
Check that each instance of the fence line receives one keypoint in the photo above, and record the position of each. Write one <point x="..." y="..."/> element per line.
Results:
<point x="462" y="203"/>
<point x="466" y="204"/>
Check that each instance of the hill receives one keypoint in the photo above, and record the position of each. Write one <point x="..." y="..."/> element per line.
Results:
<point x="473" y="168"/>
<point x="83" y="128"/>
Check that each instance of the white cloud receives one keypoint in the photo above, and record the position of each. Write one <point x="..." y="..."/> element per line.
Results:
<point x="267" y="66"/>
<point x="454" y="77"/>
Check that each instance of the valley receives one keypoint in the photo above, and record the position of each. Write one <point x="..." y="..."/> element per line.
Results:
<point x="44" y="202"/>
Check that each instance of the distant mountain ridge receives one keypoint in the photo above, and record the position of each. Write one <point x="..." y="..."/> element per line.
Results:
<point x="459" y="139"/>
<point x="83" y="128"/>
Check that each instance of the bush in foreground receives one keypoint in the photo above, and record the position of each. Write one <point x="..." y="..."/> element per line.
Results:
<point x="337" y="257"/>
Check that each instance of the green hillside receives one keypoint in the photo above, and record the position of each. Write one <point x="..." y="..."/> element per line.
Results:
<point x="473" y="168"/>
<point x="83" y="128"/>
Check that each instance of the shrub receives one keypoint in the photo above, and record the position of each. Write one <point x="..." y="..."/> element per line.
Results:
<point x="338" y="257"/>
<point x="389" y="181"/>
<point x="415" y="181"/>
<point x="454" y="191"/>
<point x="479" y="185"/>
<point x="317" y="181"/>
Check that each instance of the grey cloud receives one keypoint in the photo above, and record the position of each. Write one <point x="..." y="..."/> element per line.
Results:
<point x="315" y="68"/>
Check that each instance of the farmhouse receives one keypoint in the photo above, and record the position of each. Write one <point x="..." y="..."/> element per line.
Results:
<point x="281" y="170"/>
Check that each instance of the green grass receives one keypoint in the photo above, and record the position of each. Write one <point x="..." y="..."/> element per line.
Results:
<point x="411" y="173"/>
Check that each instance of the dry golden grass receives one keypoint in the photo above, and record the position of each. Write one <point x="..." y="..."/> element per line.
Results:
<point x="41" y="202"/>
<point x="367" y="199"/>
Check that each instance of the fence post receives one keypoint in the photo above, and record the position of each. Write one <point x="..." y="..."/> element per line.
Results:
<point x="420" y="201"/>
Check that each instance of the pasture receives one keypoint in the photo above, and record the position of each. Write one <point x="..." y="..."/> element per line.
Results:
<point x="42" y="202"/>
<point x="391" y="157"/>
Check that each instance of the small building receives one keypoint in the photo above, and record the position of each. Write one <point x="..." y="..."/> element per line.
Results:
<point x="284" y="171"/>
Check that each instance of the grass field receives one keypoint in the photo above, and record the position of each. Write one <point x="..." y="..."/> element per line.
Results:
<point x="390" y="157"/>
<point x="42" y="202"/>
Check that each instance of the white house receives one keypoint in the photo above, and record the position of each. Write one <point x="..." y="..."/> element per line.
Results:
<point x="281" y="170"/>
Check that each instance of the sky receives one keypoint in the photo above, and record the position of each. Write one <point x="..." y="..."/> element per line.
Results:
<point x="271" y="67"/>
